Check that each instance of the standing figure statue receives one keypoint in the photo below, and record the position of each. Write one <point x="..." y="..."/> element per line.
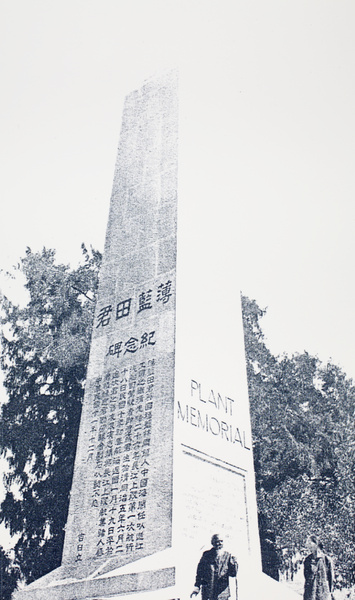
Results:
<point x="213" y="572"/>
<point x="318" y="572"/>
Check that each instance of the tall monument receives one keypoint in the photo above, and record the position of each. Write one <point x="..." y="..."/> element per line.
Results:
<point x="164" y="455"/>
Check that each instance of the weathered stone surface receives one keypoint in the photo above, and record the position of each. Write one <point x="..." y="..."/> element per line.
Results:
<point x="103" y="587"/>
<point x="122" y="485"/>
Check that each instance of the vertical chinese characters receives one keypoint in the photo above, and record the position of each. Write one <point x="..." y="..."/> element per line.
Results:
<point x="120" y="439"/>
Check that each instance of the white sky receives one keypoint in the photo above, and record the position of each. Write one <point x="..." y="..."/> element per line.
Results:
<point x="65" y="67"/>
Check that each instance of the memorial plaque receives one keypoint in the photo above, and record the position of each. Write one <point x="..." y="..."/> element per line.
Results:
<point x="211" y="477"/>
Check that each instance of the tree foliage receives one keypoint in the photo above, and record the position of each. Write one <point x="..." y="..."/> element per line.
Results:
<point x="45" y="349"/>
<point x="304" y="446"/>
<point x="9" y="575"/>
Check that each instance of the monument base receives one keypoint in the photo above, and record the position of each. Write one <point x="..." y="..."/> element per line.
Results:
<point x="145" y="585"/>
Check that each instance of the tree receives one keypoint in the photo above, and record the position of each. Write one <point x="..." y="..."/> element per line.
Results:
<point x="9" y="575"/>
<point x="303" y="427"/>
<point x="45" y="348"/>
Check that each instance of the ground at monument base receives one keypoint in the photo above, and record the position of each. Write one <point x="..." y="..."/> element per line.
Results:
<point x="268" y="588"/>
<point x="260" y="587"/>
<point x="263" y="588"/>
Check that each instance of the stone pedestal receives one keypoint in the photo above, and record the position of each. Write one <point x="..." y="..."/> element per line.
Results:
<point x="164" y="456"/>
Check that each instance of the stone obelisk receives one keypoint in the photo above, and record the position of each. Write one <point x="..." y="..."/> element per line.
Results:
<point x="164" y="455"/>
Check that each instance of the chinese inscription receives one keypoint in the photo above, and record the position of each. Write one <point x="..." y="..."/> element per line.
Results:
<point x="132" y="345"/>
<point x="119" y="448"/>
<point x="146" y="298"/>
